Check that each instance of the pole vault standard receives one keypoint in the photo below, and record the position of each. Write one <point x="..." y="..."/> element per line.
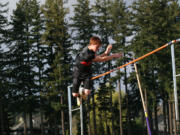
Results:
<point x="142" y="98"/>
<point x="140" y="58"/>
<point x="175" y="85"/>
<point x="72" y="110"/>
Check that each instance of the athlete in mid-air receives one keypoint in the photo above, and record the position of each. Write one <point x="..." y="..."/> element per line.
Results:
<point x="82" y="70"/>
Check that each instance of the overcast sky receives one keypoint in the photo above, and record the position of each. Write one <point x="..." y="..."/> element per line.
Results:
<point x="12" y="3"/>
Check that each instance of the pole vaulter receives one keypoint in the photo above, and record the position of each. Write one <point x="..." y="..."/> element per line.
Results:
<point x="135" y="60"/>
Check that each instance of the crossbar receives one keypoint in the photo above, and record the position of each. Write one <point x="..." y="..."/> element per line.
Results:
<point x="138" y="59"/>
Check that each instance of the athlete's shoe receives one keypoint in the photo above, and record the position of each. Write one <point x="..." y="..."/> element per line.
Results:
<point x="82" y="94"/>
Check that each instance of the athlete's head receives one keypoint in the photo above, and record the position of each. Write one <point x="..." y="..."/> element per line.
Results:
<point x="95" y="41"/>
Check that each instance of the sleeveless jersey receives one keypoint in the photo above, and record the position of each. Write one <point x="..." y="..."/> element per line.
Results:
<point x="83" y="63"/>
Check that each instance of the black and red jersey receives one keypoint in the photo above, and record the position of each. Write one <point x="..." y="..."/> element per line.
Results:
<point x="83" y="63"/>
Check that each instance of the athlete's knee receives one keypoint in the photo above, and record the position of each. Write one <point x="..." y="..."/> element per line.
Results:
<point x="87" y="91"/>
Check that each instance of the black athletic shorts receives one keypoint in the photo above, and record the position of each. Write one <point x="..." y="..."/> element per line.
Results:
<point x="82" y="70"/>
<point x="78" y="79"/>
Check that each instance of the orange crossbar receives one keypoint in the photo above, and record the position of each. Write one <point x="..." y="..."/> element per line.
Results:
<point x="135" y="60"/>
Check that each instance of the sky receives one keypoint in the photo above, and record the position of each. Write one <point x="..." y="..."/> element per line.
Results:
<point x="12" y="4"/>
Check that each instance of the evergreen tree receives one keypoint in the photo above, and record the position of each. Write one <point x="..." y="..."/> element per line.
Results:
<point x="83" y="24"/>
<point x="58" y="72"/>
<point x="105" y="108"/>
<point x="39" y="55"/>
<point x="121" y="24"/>
<point x="21" y="55"/>
<point x="4" y="100"/>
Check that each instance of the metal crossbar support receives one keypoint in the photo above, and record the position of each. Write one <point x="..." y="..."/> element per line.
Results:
<point x="174" y="82"/>
<point x="75" y="109"/>
<point x="177" y="75"/>
<point x="71" y="110"/>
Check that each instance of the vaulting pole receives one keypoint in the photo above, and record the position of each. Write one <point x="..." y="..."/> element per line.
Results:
<point x="142" y="98"/>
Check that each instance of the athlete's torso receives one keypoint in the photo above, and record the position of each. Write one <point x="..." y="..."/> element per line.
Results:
<point x="83" y="63"/>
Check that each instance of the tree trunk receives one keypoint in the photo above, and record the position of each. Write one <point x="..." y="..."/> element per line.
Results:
<point x="167" y="117"/>
<point x="174" y="119"/>
<point x="42" y="121"/>
<point x="31" y="123"/>
<point x="112" y="112"/>
<point x="151" y="120"/>
<point x="120" y="108"/>
<point x="94" y="115"/>
<point x="156" y="118"/>
<point x="88" y="117"/>
<point x="62" y="117"/>
<point x="155" y="102"/>
<point x="164" y="117"/>
<point x="1" y="117"/>
<point x="55" y="126"/>
<point x="25" y="123"/>
<point x="127" y="103"/>
<point x="170" y="119"/>
<point x="105" y="116"/>
<point x="40" y="89"/>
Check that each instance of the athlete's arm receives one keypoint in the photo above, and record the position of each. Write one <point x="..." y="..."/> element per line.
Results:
<point x="108" y="49"/>
<point x="100" y="58"/>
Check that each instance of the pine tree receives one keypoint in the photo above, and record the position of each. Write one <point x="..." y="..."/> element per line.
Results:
<point x="121" y="31"/>
<point x="58" y="72"/>
<point x="39" y="55"/>
<point x="4" y="100"/>
<point x="82" y="23"/>
<point x="22" y="65"/>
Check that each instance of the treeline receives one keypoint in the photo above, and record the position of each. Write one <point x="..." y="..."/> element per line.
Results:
<point x="37" y="49"/>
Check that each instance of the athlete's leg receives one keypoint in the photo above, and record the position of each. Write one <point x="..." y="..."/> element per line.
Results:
<point x="75" y="90"/>
<point x="87" y="86"/>
<point x="76" y="84"/>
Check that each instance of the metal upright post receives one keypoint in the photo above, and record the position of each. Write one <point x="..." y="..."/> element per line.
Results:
<point x="70" y="108"/>
<point x="81" y="117"/>
<point x="174" y="83"/>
